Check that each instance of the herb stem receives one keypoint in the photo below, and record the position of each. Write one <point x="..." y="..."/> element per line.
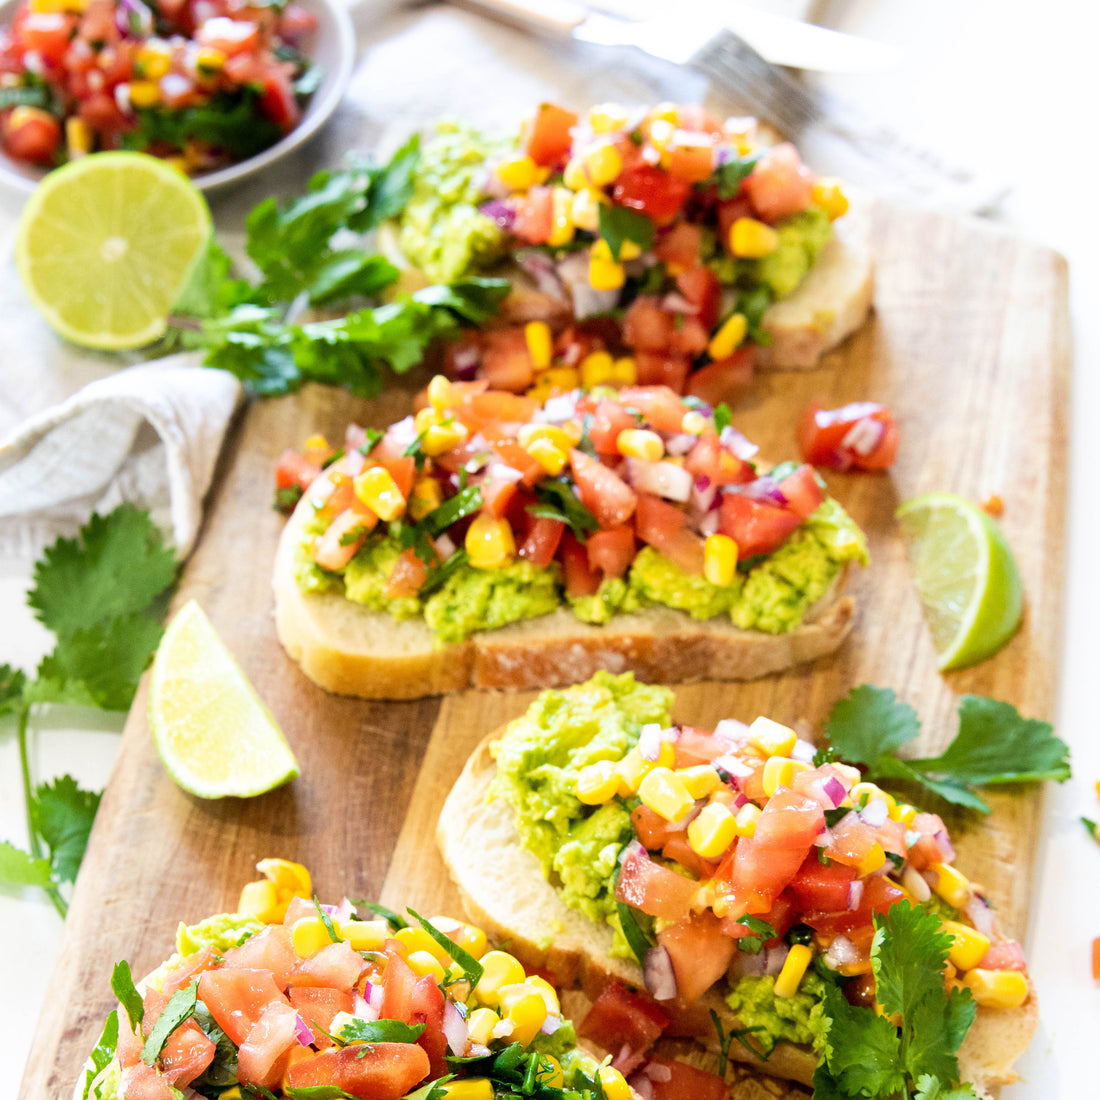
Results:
<point x="28" y="796"/>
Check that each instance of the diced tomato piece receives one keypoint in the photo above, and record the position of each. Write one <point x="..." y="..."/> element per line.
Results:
<point x="277" y="99"/>
<point x="696" y="746"/>
<point x="723" y="380"/>
<point x="407" y="576"/>
<point x="647" y="326"/>
<point x="1004" y="955"/>
<point x="756" y="527"/>
<point x="534" y="220"/>
<point x="237" y="998"/>
<point x="679" y="850"/>
<point x="612" y="550"/>
<point x="695" y="118"/>
<point x="680" y="250"/>
<point x="851" y="841"/>
<point x="270" y="949"/>
<point x="580" y="578"/>
<point x="879" y="893"/>
<point x="666" y="369"/>
<point x="654" y="889"/>
<point x="550" y="138"/>
<point x="860" y="436"/>
<point x="495" y="414"/>
<point x="661" y="407"/>
<point x="497" y="494"/>
<point x="690" y="337"/>
<point x="608" y="420"/>
<point x="700" y="952"/>
<point x="398" y="983"/>
<point x="231" y="36"/>
<point x="822" y="886"/>
<point x="336" y="965"/>
<point x="602" y="491"/>
<point x="709" y="459"/>
<point x="541" y="541"/>
<point x="32" y="134"/>
<point x="381" y="1071"/>
<point x="506" y="360"/>
<point x="180" y="976"/>
<point x="295" y="470"/>
<point x="780" y="184"/>
<point x="673" y="1080"/>
<point x="691" y="157"/>
<point x="623" y="1017"/>
<point x="700" y="286"/>
<point x="342" y="539"/>
<point x="295" y="22"/>
<point x="650" y="190"/>
<point x="803" y="491"/>
<point x="426" y="1008"/>
<point x="789" y="820"/>
<point x="318" y="1006"/>
<point x="664" y="527"/>
<point x="186" y="1054"/>
<point x="48" y="33"/>
<point x="651" y="829"/>
<point x="402" y="469"/>
<point x="512" y="454"/>
<point x="756" y="875"/>
<point x="142" y="1082"/>
<point x="262" y="1057"/>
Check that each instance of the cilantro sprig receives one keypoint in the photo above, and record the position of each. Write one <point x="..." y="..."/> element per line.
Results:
<point x="995" y="745"/>
<point x="103" y="595"/>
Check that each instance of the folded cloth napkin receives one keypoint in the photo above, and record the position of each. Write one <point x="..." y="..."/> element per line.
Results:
<point x="149" y="435"/>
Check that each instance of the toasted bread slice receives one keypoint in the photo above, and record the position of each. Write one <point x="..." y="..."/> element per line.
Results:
<point x="506" y="893"/>
<point x="351" y="650"/>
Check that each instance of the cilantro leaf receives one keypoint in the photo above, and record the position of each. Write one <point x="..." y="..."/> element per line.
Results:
<point x="180" y="1007"/>
<point x="620" y="223"/>
<point x="104" y="1051"/>
<point x="13" y="681"/>
<point x="63" y="814"/>
<point x="760" y="932"/>
<point x="861" y="1052"/>
<point x="380" y="1031"/>
<point x="19" y="868"/>
<point x="122" y="985"/>
<point x="730" y="174"/>
<point x="471" y="968"/>
<point x="394" y="920"/>
<point x="118" y="566"/>
<point x="870" y="722"/>
<point x="723" y="418"/>
<point x="930" y="1088"/>
<point x="557" y="500"/>
<point x="462" y="504"/>
<point x="316" y="1092"/>
<point x="326" y="920"/>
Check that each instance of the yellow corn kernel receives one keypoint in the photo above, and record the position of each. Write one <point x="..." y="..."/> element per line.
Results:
<point x="235" y="1092"/>
<point x="364" y="935"/>
<point x="426" y="497"/>
<point x="597" y="368"/>
<point x="602" y="165"/>
<point x="550" y="1073"/>
<point x="728" y="337"/>
<point x="700" y="780"/>
<point x="426" y="418"/>
<point x="540" y="343"/>
<point x="78" y="137"/>
<point x="640" y="443"/>
<point x="904" y="813"/>
<point x="209" y="60"/>
<point x="548" y="993"/>
<point x="441" y="438"/>
<point x="873" y="860"/>
<point x="720" y="559"/>
<point x="540" y="392"/>
<point x="864" y="792"/>
<point x="663" y="791"/>
<point x="490" y="542"/>
<point x="772" y="737"/>
<point x="574" y="176"/>
<point x="605" y="118"/>
<point x="549" y="456"/>
<point x="440" y="394"/>
<point x="968" y="945"/>
<point x="518" y="172"/>
<point x="625" y="370"/>
<point x="629" y="250"/>
<point x="424" y="963"/>
<point x="997" y="988"/>
<point x="829" y="195"/>
<point x="661" y="133"/>
<point x="779" y="771"/>
<point x="585" y="209"/>
<point x="694" y="422"/>
<point x="712" y="831"/>
<point x="376" y="488"/>
<point x="500" y="969"/>
<point x="417" y="939"/>
<point x="467" y="936"/>
<point x="747" y="817"/>
<point x="790" y="977"/>
<point x="605" y="274"/>
<point x="551" y="432"/>
<point x="561" y="378"/>
<point x="951" y="885"/>
<point x="632" y="769"/>
<point x="561" y="226"/>
<point x="525" y="1007"/>
<point x="261" y="900"/>
<point x="613" y="1083"/>
<point x="666" y="110"/>
<point x="597" y="783"/>
<point x="153" y="61"/>
<point x="308" y="935"/>
<point x="750" y="239"/>
<point x="144" y="93"/>
<point x="287" y="876"/>
<point x="481" y="1024"/>
<point x="469" y="1088"/>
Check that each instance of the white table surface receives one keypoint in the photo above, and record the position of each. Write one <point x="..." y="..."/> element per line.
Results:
<point x="1007" y="88"/>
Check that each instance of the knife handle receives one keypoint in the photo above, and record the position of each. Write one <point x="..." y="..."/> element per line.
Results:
<point x="552" y="17"/>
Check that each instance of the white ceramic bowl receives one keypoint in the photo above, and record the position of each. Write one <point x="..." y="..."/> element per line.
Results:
<point x="332" y="49"/>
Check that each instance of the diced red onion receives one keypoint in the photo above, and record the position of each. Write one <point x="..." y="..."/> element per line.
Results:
<point x="649" y="741"/>
<point x="660" y="978"/>
<point x="341" y="912"/>
<point x="764" y="488"/>
<point x="403" y="432"/>
<point x="863" y="436"/>
<point x="855" y="411"/>
<point x="734" y="441"/>
<point x="732" y="731"/>
<point x="375" y="998"/>
<point x="835" y="791"/>
<point x="122" y="91"/>
<point x="744" y="965"/>
<point x="947" y="852"/>
<point x="642" y="1085"/>
<point x="500" y="471"/>
<point x="445" y="546"/>
<point x="679" y="443"/>
<point x="455" y="1028"/>
<point x="677" y="303"/>
<point x="499" y="212"/>
<point x="650" y="156"/>
<point x="823" y="839"/>
<point x="320" y="491"/>
<point x="543" y="271"/>
<point x="660" y="1074"/>
<point x="981" y="915"/>
<point x="302" y="1031"/>
<point x="174" y="86"/>
<point x="663" y="479"/>
<point x="628" y="1059"/>
<point x="842" y="952"/>
<point x="559" y="408"/>
<point x="572" y="270"/>
<point x="804" y="752"/>
<point x="133" y="19"/>
<point x="466" y="360"/>
<point x="550" y="1025"/>
<point x="703" y="494"/>
<point x="855" y="893"/>
<point x="774" y="958"/>
<point x="875" y="813"/>
<point x="735" y="767"/>
<point x="708" y="525"/>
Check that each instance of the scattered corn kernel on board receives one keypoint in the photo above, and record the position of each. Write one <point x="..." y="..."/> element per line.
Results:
<point x="969" y="345"/>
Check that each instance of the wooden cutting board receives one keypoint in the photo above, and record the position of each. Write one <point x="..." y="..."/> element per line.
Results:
<point x="969" y="345"/>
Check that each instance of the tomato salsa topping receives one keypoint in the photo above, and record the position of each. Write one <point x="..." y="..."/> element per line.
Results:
<point x="202" y="83"/>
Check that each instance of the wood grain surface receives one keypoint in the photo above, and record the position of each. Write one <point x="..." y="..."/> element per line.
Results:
<point x="969" y="344"/>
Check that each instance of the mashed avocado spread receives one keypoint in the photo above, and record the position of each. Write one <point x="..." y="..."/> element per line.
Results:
<point x="771" y="595"/>
<point x="801" y="239"/>
<point x="798" y="1019"/>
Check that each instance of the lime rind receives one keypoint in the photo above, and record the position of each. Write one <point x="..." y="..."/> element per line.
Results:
<point x="966" y="576"/>
<point x="214" y="734"/>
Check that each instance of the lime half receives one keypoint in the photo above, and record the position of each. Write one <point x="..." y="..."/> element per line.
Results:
<point x="966" y="577"/>
<point x="213" y="733"/>
<point x="105" y="245"/>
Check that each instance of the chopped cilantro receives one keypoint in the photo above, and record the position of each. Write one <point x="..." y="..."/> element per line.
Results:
<point x="104" y="1051"/>
<point x="180" y="1007"/>
<point x="557" y="500"/>
<point x="394" y="920"/>
<point x="380" y="1031"/>
<point x="326" y="920"/>
<point x="760" y="931"/>
<point x="723" y="418"/>
<point x="122" y="985"/>
<point x="730" y="174"/>
<point x="462" y="504"/>
<point x="620" y="223"/>
<point x="471" y="968"/>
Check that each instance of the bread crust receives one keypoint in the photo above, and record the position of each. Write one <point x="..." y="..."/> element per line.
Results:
<point x="506" y="893"/>
<point x="349" y="649"/>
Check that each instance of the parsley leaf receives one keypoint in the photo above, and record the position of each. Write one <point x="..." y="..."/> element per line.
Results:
<point x="380" y="1031"/>
<point x="180" y="1007"/>
<point x="19" y="868"/>
<point x="63" y="814"/>
<point x="122" y="985"/>
<point x="620" y="223"/>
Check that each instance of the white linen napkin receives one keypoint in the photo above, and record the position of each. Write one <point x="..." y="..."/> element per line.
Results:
<point x="149" y="435"/>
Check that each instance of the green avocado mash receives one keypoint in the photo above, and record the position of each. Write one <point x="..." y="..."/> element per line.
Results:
<point x="801" y="239"/>
<point x="798" y="1019"/>
<point x="538" y="760"/>
<point x="442" y="231"/>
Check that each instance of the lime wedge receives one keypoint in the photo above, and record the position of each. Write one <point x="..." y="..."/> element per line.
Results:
<point x="966" y="577"/>
<point x="105" y="245"/>
<point x="213" y="733"/>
